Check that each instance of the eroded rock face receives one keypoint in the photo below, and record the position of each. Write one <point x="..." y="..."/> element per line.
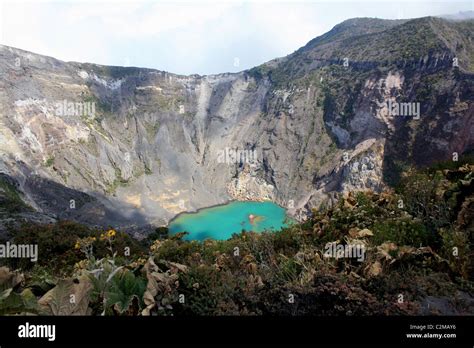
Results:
<point x="133" y="146"/>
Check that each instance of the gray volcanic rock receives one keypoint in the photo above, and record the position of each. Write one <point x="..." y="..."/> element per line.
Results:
<point x="129" y="146"/>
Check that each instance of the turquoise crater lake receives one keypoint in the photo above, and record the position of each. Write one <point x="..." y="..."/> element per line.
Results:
<point x="222" y="221"/>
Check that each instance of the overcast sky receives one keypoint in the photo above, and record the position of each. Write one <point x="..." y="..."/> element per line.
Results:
<point x="202" y="37"/>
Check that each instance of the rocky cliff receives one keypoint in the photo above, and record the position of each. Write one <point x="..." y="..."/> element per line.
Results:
<point x="129" y="146"/>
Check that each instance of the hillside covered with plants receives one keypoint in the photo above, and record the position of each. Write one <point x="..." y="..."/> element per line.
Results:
<point x="419" y="260"/>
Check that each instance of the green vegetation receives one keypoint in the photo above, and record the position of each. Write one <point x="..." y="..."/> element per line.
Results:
<point x="118" y="181"/>
<point x="114" y="72"/>
<point x="148" y="171"/>
<point x="10" y="200"/>
<point x="151" y="130"/>
<point x="260" y="71"/>
<point x="419" y="39"/>
<point x="417" y="240"/>
<point x="49" y="162"/>
<point x="102" y="107"/>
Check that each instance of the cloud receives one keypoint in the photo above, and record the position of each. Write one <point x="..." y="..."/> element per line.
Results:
<point x="182" y="36"/>
<point x="147" y="19"/>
